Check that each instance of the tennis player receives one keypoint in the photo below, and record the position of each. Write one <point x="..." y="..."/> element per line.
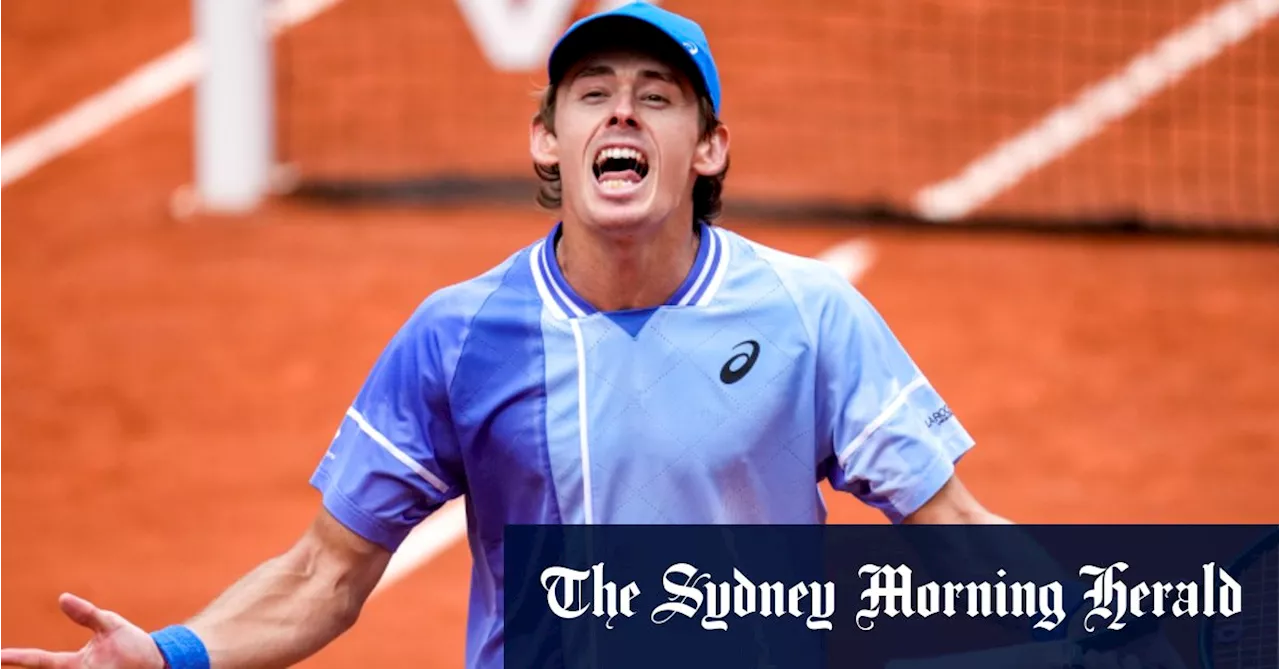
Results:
<point x="637" y="365"/>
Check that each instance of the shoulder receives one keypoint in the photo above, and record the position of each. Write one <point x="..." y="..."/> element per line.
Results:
<point x="456" y="303"/>
<point x="815" y="286"/>
<point x="443" y="321"/>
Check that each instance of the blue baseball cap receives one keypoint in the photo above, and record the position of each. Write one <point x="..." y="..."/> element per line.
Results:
<point x="639" y="19"/>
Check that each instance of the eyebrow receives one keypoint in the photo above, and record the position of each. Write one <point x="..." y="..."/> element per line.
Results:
<point x="593" y="71"/>
<point x="605" y="70"/>
<point x="659" y="75"/>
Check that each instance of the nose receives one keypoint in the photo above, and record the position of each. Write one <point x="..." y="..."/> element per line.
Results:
<point x="624" y="113"/>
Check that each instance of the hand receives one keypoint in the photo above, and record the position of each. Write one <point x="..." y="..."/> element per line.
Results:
<point x="116" y="643"/>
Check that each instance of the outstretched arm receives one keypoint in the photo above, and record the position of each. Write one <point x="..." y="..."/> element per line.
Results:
<point x="966" y="557"/>
<point x="954" y="505"/>
<point x="293" y="605"/>
<point x="282" y="612"/>
<point x="392" y="462"/>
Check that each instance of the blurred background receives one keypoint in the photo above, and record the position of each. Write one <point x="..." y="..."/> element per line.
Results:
<point x="1066" y="210"/>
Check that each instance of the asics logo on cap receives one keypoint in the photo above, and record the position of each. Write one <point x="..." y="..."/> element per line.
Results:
<point x="691" y="48"/>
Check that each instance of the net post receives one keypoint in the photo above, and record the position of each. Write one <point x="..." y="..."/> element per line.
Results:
<point x="234" y="133"/>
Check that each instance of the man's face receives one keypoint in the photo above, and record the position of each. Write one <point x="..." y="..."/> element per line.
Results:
<point x="628" y="141"/>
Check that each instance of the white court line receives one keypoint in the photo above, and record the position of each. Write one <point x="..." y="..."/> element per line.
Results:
<point x="438" y="532"/>
<point x="851" y="258"/>
<point x="143" y="88"/>
<point x="1098" y="105"/>
<point x="149" y="84"/>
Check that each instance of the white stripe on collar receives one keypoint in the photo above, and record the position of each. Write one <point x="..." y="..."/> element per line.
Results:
<point x="721" y="269"/>
<point x="540" y="281"/>
<point x="566" y="300"/>
<point x="711" y="273"/>
<point x="713" y="242"/>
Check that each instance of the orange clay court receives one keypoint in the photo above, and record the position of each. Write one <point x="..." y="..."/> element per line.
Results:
<point x="170" y="385"/>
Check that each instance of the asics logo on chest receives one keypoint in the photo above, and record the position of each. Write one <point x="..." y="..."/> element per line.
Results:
<point x="738" y="366"/>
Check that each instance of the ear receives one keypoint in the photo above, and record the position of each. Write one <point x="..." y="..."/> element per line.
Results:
<point x="543" y="146"/>
<point x="712" y="153"/>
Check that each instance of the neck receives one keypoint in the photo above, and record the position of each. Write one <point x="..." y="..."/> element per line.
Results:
<point x="627" y="271"/>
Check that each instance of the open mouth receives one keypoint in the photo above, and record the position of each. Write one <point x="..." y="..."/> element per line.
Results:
<point x="618" y="167"/>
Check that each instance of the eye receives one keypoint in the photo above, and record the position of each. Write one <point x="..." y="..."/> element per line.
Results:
<point x="654" y="97"/>
<point x="593" y="95"/>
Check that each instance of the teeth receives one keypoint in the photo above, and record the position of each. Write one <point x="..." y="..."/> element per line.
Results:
<point x="619" y="152"/>
<point x="613" y="184"/>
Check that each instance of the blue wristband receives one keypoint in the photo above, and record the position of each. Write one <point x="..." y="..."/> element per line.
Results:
<point x="181" y="648"/>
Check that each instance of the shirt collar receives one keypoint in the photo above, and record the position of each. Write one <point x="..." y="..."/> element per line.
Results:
<point x="699" y="285"/>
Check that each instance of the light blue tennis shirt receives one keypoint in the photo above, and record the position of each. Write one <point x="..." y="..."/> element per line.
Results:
<point x="764" y="374"/>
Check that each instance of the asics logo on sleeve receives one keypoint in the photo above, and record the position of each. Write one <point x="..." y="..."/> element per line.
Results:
<point x="744" y="361"/>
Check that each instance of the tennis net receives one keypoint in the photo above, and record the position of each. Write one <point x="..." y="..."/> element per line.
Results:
<point x="1157" y="114"/>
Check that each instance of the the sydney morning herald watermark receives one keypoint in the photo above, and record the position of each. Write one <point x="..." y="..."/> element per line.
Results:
<point x="891" y="591"/>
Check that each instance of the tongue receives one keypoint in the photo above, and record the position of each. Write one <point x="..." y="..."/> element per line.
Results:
<point x="629" y="176"/>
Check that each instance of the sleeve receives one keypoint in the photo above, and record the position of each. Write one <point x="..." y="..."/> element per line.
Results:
<point x="894" y="441"/>
<point x="393" y="460"/>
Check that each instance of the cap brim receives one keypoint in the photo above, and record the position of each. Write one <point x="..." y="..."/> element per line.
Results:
<point x="621" y="32"/>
